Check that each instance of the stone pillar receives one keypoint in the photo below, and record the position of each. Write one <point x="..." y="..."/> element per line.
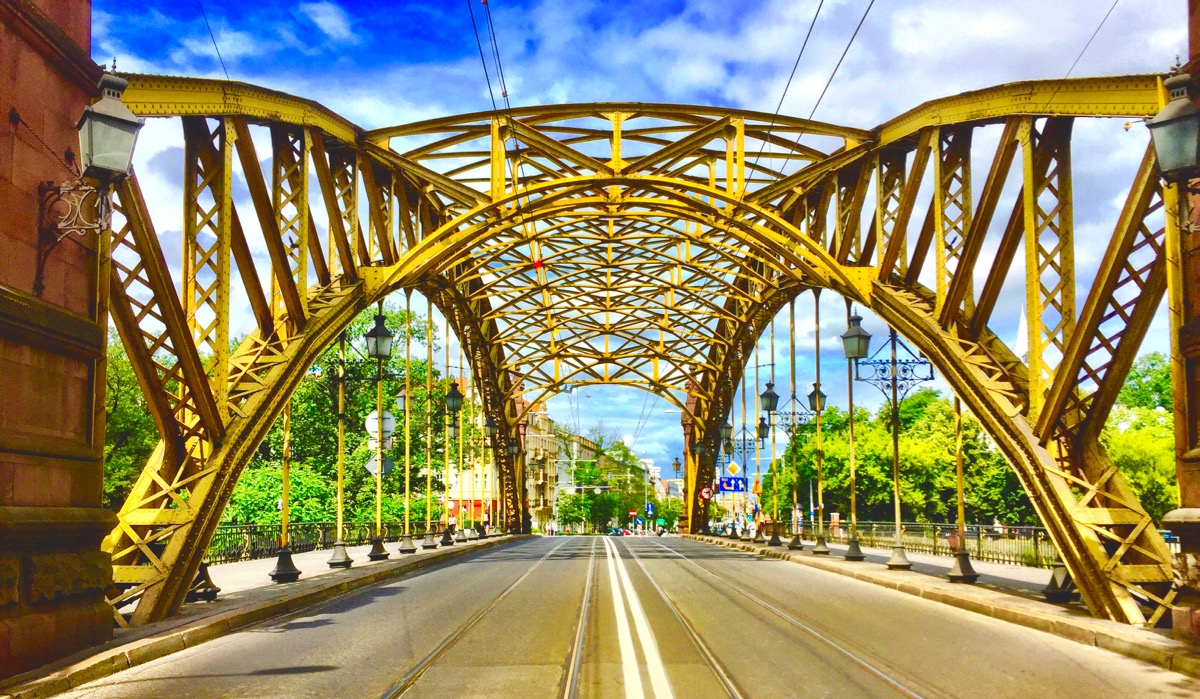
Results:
<point x="1183" y="252"/>
<point x="52" y="349"/>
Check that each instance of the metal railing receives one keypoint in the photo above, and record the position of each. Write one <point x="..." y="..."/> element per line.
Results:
<point x="1015" y="545"/>
<point x="245" y="542"/>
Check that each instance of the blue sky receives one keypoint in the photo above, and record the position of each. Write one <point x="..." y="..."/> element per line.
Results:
<point x="382" y="63"/>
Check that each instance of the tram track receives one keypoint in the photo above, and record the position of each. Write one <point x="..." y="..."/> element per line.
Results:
<point x="710" y="658"/>
<point x="569" y="684"/>
<point x="413" y="675"/>
<point x="852" y="651"/>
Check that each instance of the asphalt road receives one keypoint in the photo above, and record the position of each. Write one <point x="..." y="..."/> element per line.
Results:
<point x="539" y="618"/>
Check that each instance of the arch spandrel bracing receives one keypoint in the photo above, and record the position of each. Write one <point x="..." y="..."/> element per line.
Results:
<point x="644" y="245"/>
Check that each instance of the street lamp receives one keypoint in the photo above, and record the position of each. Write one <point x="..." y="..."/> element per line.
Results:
<point x="764" y="430"/>
<point x="816" y="399"/>
<point x="514" y="446"/>
<point x="107" y="135"/>
<point x="1176" y="129"/>
<point x="379" y="347"/>
<point x="898" y="377"/>
<point x="769" y="399"/>
<point x="489" y="426"/>
<point x="856" y="343"/>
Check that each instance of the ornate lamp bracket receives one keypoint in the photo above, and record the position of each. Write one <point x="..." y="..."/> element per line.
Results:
<point x="69" y="208"/>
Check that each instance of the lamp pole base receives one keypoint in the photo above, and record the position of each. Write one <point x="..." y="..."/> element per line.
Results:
<point x="340" y="558"/>
<point x="853" y="551"/>
<point x="733" y="535"/>
<point x="821" y="548"/>
<point x="899" y="561"/>
<point x="745" y="535"/>
<point x="406" y="544"/>
<point x="460" y="537"/>
<point x="377" y="552"/>
<point x="774" y="540"/>
<point x="429" y="542"/>
<point x="961" y="571"/>
<point x="758" y="537"/>
<point x="796" y="544"/>
<point x="285" y="571"/>
<point x="447" y="538"/>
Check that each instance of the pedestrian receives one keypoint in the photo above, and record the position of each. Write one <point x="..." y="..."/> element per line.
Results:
<point x="486" y="521"/>
<point x="451" y="523"/>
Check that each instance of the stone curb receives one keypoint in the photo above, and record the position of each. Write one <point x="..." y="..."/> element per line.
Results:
<point x="1119" y="638"/>
<point x="112" y="660"/>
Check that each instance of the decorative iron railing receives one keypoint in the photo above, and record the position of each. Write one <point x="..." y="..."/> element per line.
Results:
<point x="1015" y="545"/>
<point x="244" y="542"/>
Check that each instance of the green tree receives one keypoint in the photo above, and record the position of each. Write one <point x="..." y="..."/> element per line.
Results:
<point x="1148" y="384"/>
<point x="1141" y="443"/>
<point x="130" y="432"/>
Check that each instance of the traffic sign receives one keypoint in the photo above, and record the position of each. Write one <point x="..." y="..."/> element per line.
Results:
<point x="632" y="514"/>
<point x="733" y="485"/>
<point x="388" y="465"/>
<point x="649" y="509"/>
<point x="372" y="423"/>
<point x="661" y="521"/>
<point x="733" y="469"/>
<point x="639" y="521"/>
<point x="706" y="492"/>
<point x="373" y="445"/>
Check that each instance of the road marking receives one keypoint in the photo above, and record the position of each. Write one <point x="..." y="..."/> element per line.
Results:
<point x="718" y="669"/>
<point x="633" y="677"/>
<point x="654" y="663"/>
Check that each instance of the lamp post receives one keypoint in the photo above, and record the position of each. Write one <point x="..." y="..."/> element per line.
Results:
<point x="340" y="558"/>
<point x="429" y="542"/>
<point x="454" y="403"/>
<point x="898" y="377"/>
<point x="769" y="400"/>
<point x="816" y="403"/>
<point x="285" y="570"/>
<point x="379" y="347"/>
<point x="856" y="343"/>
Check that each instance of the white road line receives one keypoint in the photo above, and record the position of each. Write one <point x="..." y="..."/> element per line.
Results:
<point x="654" y="664"/>
<point x="629" y="665"/>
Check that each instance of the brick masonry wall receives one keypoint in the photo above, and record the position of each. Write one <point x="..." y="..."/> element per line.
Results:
<point x="52" y="571"/>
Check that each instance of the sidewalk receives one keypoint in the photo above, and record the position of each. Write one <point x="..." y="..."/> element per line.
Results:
<point x="1004" y="592"/>
<point x="248" y="596"/>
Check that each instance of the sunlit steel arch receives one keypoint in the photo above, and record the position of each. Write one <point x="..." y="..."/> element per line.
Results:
<point x="821" y="200"/>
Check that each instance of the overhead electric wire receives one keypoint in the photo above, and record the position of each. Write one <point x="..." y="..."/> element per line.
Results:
<point x="788" y="86"/>
<point x="213" y="37"/>
<point x="841" y="58"/>
<point x="1078" y="58"/>
<point x="479" y="44"/>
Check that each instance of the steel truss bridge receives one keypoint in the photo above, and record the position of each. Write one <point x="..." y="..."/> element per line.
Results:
<point x="645" y="245"/>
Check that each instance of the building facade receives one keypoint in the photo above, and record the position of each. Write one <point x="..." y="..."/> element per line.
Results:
<point x="52" y="348"/>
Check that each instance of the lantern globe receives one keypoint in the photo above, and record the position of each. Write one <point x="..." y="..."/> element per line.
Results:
<point x="769" y="399"/>
<point x="379" y="339"/>
<point x="454" y="398"/>
<point x="816" y="399"/>
<point x="856" y="341"/>
<point x="1176" y="129"/>
<point x="108" y="133"/>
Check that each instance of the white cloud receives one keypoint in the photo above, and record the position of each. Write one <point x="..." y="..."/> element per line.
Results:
<point x="331" y="19"/>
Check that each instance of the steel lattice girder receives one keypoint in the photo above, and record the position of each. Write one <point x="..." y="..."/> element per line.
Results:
<point x="640" y="244"/>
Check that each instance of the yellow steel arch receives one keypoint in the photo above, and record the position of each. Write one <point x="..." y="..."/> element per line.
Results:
<point x="641" y="244"/>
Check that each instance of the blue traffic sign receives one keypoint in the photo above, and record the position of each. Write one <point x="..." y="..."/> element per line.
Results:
<point x="730" y="484"/>
<point x="649" y="509"/>
<point x="640" y="521"/>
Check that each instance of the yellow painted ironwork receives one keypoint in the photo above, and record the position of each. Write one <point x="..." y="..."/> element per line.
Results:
<point x="635" y="244"/>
